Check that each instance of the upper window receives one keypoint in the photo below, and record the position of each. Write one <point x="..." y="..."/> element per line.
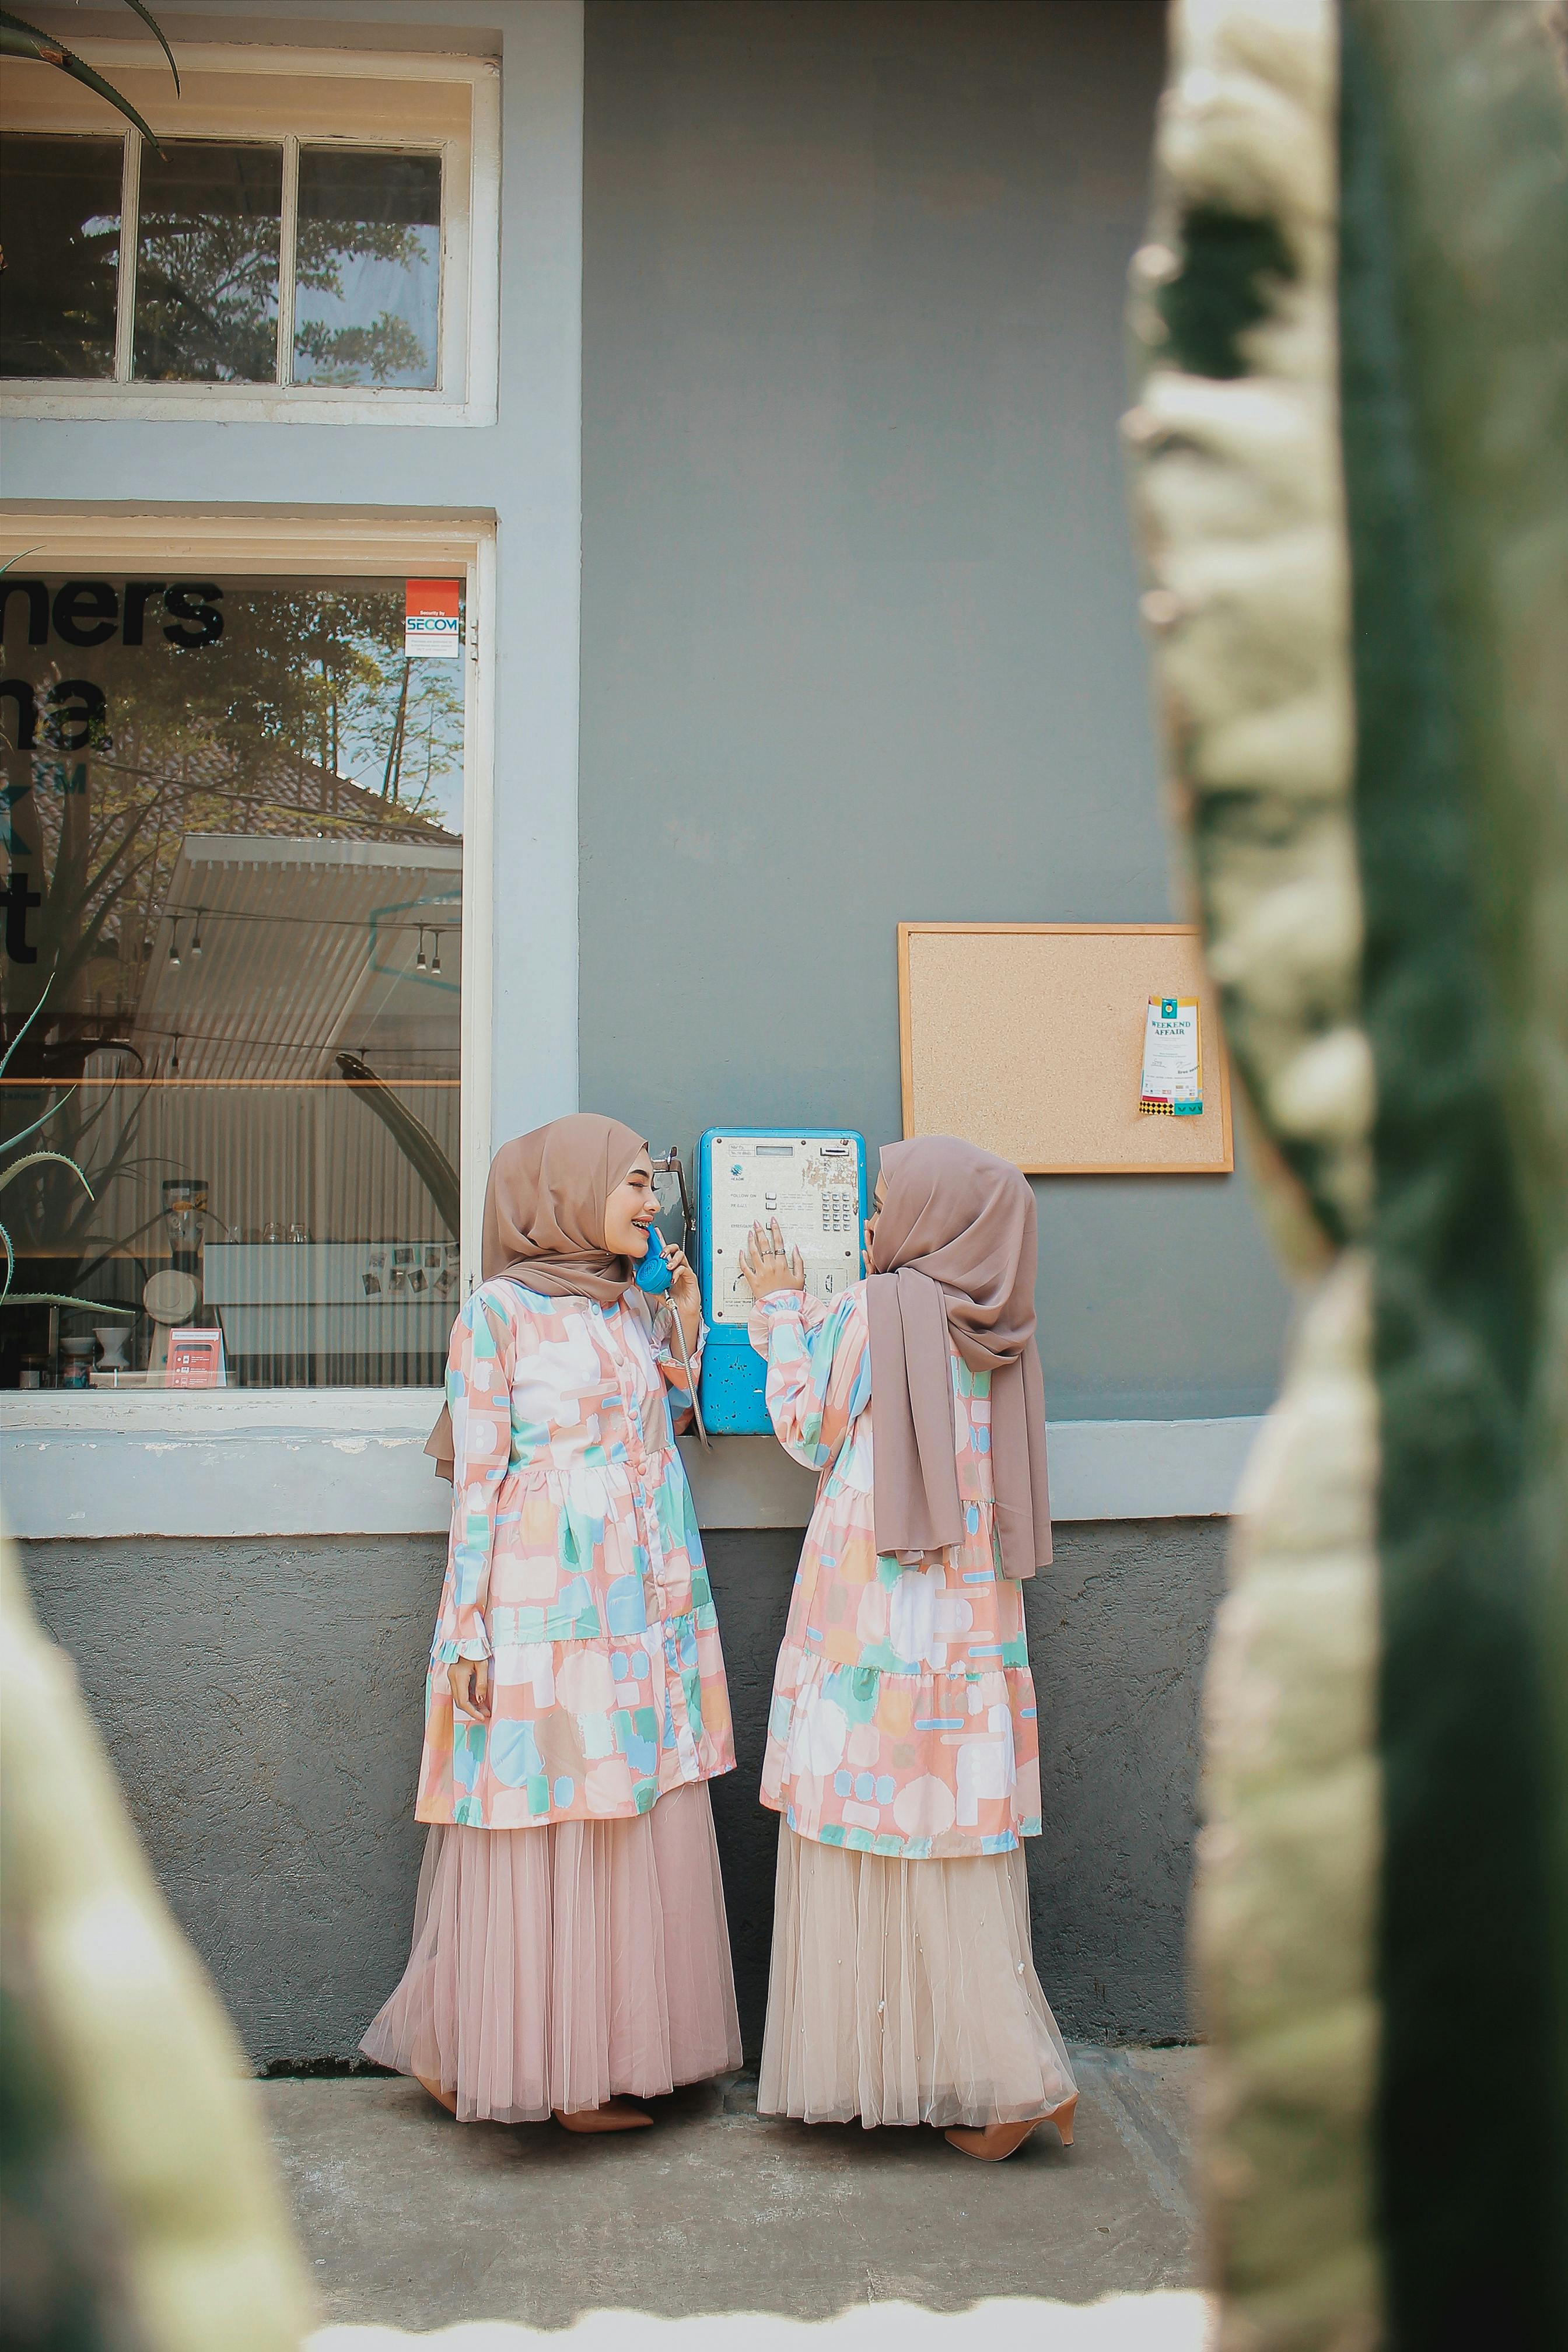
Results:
<point x="298" y="243"/>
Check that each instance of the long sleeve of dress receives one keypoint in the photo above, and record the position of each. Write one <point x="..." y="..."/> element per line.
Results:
<point x="479" y="1393"/>
<point x="667" y="1356"/>
<point x="819" y="1370"/>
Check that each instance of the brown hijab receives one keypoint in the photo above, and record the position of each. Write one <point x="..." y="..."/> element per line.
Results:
<point x="544" y="1221"/>
<point x="954" y="1257"/>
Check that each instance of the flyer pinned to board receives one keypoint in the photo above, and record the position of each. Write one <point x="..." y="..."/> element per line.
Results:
<point x="432" y="618"/>
<point x="1173" y="1062"/>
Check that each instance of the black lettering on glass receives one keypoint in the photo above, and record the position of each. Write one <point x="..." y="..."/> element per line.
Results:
<point x="87" y="613"/>
<point x="138" y="595"/>
<point x="37" y="596"/>
<point x="198" y="603"/>
<point x="16" y="898"/>
<point x="75" y="714"/>
<point x="27" y="703"/>
<point x="16" y="845"/>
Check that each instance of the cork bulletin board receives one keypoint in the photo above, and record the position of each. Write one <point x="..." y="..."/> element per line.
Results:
<point x="1027" y="1039"/>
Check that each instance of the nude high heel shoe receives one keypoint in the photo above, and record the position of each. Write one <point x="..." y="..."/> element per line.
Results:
<point x="447" y="2099"/>
<point x="615" y="2116"/>
<point x="997" y="2141"/>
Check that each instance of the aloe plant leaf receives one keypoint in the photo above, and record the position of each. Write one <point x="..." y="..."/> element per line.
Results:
<point x="34" y="1158"/>
<point x="63" y="1298"/>
<point x="156" y="30"/>
<point x="22" y="1134"/>
<point x="412" y="1137"/>
<point x="5" y="1057"/>
<point x="20" y="39"/>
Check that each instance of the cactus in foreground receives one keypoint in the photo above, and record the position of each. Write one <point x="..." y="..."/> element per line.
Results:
<point x="140" y="2208"/>
<point x="1351" y="452"/>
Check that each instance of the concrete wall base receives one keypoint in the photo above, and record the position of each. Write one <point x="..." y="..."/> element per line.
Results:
<point x="261" y="1703"/>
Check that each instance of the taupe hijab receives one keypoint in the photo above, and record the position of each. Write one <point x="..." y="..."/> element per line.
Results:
<point x="544" y="1221"/>
<point x="954" y="1257"/>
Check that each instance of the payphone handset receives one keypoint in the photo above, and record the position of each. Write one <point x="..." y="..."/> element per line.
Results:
<point x="813" y="1182"/>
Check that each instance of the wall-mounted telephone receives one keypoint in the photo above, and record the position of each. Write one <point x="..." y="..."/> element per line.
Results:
<point x="813" y="1179"/>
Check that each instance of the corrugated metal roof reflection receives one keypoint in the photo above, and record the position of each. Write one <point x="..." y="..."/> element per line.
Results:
<point x="303" y="944"/>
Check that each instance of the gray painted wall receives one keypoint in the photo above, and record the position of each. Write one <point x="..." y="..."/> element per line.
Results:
<point x="261" y="1703"/>
<point x="859" y="635"/>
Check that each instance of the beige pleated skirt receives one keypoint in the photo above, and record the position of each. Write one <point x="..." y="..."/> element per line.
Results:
<point x="905" y="1992"/>
<point x="555" y="1968"/>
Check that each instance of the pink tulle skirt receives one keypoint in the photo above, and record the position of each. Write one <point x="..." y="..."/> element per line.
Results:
<point x="905" y="1992"/>
<point x="557" y="1967"/>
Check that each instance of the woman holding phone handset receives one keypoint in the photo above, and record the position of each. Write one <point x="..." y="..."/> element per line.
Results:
<point x="901" y="1746"/>
<point x="571" y="1954"/>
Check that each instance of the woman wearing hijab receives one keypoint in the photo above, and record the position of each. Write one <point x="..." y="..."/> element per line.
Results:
<point x="902" y="1747"/>
<point x="570" y="1953"/>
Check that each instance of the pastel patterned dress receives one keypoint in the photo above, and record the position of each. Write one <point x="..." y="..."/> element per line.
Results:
<point x="902" y="1754"/>
<point x="575" y="1565"/>
<point x="903" y="1718"/>
<point x="570" y="1942"/>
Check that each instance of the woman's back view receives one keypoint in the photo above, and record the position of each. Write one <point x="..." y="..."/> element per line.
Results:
<point x="902" y="1748"/>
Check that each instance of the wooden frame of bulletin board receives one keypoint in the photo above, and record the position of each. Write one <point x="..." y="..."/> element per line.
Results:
<point x="1027" y="1039"/>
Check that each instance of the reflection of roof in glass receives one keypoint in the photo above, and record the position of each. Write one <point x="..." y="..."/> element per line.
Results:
<point x="274" y="787"/>
<point x="308" y="947"/>
<point x="143" y="808"/>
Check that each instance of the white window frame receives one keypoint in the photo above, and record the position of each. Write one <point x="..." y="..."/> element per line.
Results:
<point x="298" y="543"/>
<point x="35" y="98"/>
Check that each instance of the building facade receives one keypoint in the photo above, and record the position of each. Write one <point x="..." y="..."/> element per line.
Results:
<point x="542" y="532"/>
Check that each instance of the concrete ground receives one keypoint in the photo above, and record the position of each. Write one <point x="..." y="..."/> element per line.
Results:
<point x="412" y="2221"/>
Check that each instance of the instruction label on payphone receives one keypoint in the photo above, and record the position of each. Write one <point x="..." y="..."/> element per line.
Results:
<point x="811" y="1183"/>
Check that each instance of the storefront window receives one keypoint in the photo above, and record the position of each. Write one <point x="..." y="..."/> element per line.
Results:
<point x="204" y="217"/>
<point x="232" y="976"/>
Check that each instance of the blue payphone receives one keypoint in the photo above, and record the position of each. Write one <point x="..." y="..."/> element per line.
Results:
<point x="813" y="1179"/>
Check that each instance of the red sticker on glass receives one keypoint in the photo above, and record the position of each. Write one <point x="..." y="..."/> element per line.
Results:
<point x="432" y="620"/>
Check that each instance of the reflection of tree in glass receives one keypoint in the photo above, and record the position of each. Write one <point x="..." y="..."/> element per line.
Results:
<point x="302" y="719"/>
<point x="385" y="346"/>
<point x="206" y="284"/>
<point x="207" y="275"/>
<point x="368" y="248"/>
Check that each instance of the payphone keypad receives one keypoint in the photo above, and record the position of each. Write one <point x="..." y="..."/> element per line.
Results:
<point x="811" y="1184"/>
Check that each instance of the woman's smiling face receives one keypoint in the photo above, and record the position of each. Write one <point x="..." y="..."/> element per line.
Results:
<point x="631" y="1210"/>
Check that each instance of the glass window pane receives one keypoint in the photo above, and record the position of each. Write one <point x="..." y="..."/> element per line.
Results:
<point x="232" y="877"/>
<point x="59" y="226"/>
<point x="368" y="267"/>
<point x="206" y="266"/>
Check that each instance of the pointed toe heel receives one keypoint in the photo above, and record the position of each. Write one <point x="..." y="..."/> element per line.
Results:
<point x="447" y="2099"/>
<point x="996" y="2142"/>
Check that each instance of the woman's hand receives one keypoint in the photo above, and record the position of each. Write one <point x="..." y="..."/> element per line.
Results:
<point x="768" y="1266"/>
<point x="470" y="1685"/>
<point x="684" y="1297"/>
<point x="685" y="1291"/>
